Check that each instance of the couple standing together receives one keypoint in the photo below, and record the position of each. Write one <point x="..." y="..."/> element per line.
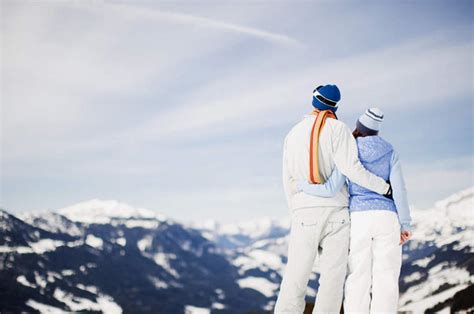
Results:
<point x="348" y="205"/>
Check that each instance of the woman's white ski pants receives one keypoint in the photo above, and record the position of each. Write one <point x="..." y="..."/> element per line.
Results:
<point x="375" y="259"/>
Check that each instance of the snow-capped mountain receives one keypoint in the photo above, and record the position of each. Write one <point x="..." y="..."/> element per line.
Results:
<point x="257" y="248"/>
<point x="110" y="212"/>
<point x="438" y="263"/>
<point x="106" y="256"/>
<point x="243" y="234"/>
<point x="100" y="260"/>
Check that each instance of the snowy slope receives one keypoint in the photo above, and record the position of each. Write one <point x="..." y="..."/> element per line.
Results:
<point x="234" y="235"/>
<point x="108" y="256"/>
<point x="52" y="222"/>
<point x="438" y="261"/>
<point x="28" y="282"/>
<point x="257" y="248"/>
<point x="106" y="212"/>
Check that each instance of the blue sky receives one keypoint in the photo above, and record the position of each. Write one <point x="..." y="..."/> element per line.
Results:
<point x="183" y="107"/>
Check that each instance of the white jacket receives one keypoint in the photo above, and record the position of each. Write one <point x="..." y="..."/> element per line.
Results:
<point x="337" y="148"/>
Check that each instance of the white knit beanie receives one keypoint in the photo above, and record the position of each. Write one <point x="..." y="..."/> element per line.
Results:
<point x="372" y="119"/>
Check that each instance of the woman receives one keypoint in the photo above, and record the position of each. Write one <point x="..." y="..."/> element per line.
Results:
<point x="379" y="225"/>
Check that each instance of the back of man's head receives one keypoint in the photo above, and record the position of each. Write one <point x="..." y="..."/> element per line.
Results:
<point x="326" y="97"/>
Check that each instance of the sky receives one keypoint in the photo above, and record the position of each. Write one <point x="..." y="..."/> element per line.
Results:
<point x="182" y="107"/>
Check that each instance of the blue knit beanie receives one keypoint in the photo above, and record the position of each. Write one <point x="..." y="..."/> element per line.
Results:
<point x="326" y="97"/>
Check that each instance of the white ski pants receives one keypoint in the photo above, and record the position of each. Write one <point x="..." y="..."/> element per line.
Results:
<point x="375" y="259"/>
<point x="323" y="230"/>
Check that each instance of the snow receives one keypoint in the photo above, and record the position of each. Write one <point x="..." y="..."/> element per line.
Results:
<point x="15" y="249"/>
<point x="145" y="243"/>
<point x="40" y="247"/>
<point x="267" y="258"/>
<point x="311" y="292"/>
<point x="260" y="259"/>
<point x="51" y="222"/>
<point x="454" y="276"/>
<point x="191" y="309"/>
<point x="94" y="241"/>
<point x="142" y="223"/>
<point x="253" y="229"/>
<point x="446" y="310"/>
<point x="262" y="285"/>
<point x="450" y="221"/>
<point x="22" y="280"/>
<point x="218" y="306"/>
<point x="40" y="281"/>
<point x="459" y="206"/>
<point x="269" y="306"/>
<point x="103" y="212"/>
<point x="424" y="261"/>
<point x="75" y="243"/>
<point x="430" y="301"/>
<point x="163" y="260"/>
<point x="43" y="308"/>
<point x="91" y="289"/>
<point x="108" y="306"/>
<point x="159" y="284"/>
<point x="220" y="294"/>
<point x="103" y="303"/>
<point x="45" y="245"/>
<point x="438" y="267"/>
<point x="52" y="276"/>
<point x="122" y="241"/>
<point x="67" y="272"/>
<point x="4" y="221"/>
<point x="413" y="277"/>
<point x="438" y="224"/>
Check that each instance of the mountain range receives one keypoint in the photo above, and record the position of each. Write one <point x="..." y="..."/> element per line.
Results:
<point x="109" y="257"/>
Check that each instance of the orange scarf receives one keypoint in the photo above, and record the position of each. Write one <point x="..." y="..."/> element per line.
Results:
<point x="321" y="116"/>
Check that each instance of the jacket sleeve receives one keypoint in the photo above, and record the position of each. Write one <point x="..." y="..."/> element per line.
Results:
<point x="329" y="189"/>
<point x="287" y="179"/>
<point x="347" y="161"/>
<point x="400" y="192"/>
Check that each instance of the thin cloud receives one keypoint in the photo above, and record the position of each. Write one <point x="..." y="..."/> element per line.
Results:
<point x="130" y="11"/>
<point x="413" y="65"/>
<point x="153" y="106"/>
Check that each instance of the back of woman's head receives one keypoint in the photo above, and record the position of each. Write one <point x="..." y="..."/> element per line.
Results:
<point x="369" y="123"/>
<point x="356" y="133"/>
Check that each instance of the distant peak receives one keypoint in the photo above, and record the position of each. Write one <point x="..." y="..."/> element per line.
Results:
<point x="102" y="211"/>
<point x="3" y="212"/>
<point x="461" y="196"/>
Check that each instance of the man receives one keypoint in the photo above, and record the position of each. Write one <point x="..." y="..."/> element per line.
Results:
<point x="313" y="148"/>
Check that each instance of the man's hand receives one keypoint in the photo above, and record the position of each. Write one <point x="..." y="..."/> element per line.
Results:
<point x="405" y="235"/>
<point x="389" y="193"/>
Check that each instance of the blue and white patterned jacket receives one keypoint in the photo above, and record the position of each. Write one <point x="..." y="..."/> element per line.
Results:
<point x="377" y="156"/>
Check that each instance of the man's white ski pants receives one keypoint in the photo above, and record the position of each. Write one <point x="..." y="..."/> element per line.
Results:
<point x="323" y="230"/>
<point x="375" y="259"/>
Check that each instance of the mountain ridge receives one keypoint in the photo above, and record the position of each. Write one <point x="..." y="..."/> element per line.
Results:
<point x="107" y="256"/>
